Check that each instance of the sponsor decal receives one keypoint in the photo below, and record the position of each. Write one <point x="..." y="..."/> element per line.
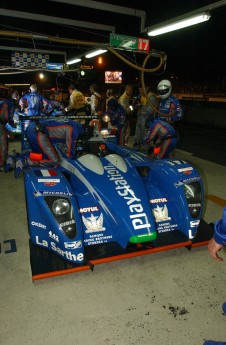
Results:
<point x="39" y="225"/>
<point x="194" y="205"/>
<point x="93" y="224"/>
<point x="73" y="245"/>
<point x="72" y="221"/>
<point x="97" y="239"/>
<point x="54" y="193"/>
<point x="47" y="176"/>
<point x="190" y="234"/>
<point x="161" y="213"/>
<point x="186" y="171"/>
<point x="188" y="180"/>
<point x="50" y="184"/>
<point x="175" y="162"/>
<point x="64" y="253"/>
<point x="166" y="227"/>
<point x="157" y="201"/>
<point x="89" y="209"/>
<point x="194" y="223"/>
<point x="45" y="173"/>
<point x="53" y="236"/>
<point x="138" y="218"/>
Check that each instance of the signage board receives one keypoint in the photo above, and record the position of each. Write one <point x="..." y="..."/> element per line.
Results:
<point x="129" y="42"/>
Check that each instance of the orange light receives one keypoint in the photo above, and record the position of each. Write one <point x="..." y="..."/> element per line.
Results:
<point x="157" y="150"/>
<point x="100" y="60"/>
<point x="35" y="156"/>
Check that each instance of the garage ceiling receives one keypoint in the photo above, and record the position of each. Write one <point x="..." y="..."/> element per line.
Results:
<point x="30" y="26"/>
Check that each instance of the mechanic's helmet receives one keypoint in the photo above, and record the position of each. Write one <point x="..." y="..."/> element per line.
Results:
<point x="149" y="120"/>
<point x="33" y="88"/>
<point x="164" y="88"/>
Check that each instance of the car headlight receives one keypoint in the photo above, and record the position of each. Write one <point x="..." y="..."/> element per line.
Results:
<point x="62" y="210"/>
<point x="193" y="194"/>
<point x="60" y="206"/>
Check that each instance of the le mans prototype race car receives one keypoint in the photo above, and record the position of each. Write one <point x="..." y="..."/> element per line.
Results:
<point x="109" y="201"/>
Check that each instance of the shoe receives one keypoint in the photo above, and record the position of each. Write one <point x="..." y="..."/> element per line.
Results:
<point x="9" y="163"/>
<point x="19" y="167"/>
<point x="212" y="342"/>
<point x="224" y="308"/>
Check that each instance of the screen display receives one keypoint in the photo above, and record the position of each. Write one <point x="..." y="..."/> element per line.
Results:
<point x="113" y="77"/>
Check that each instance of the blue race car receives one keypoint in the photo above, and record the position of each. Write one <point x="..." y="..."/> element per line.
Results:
<point x="111" y="200"/>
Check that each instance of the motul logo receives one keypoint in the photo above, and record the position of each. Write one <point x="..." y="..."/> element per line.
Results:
<point x="89" y="209"/>
<point x="156" y="201"/>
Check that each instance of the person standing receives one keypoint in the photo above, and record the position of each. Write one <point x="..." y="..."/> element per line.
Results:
<point x="76" y="100"/>
<point x="125" y="100"/>
<point x="95" y="100"/>
<point x="117" y="115"/>
<point x="34" y="103"/>
<point x="169" y="105"/>
<point x="144" y="112"/>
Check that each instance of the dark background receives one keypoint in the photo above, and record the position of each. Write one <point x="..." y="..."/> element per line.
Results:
<point x="196" y="55"/>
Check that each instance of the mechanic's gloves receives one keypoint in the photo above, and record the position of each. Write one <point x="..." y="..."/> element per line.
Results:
<point x="10" y="162"/>
<point x="20" y="164"/>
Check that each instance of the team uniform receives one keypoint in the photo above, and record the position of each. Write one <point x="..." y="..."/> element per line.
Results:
<point x="117" y="114"/>
<point x="161" y="134"/>
<point x="53" y="131"/>
<point x="33" y="104"/>
<point x="168" y="106"/>
<point x="76" y="101"/>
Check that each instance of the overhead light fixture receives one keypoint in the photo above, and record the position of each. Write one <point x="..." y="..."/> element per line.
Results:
<point x="178" y="23"/>
<point x="70" y="62"/>
<point x="95" y="53"/>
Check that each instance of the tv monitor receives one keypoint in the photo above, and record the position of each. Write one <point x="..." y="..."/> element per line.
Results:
<point x="113" y="77"/>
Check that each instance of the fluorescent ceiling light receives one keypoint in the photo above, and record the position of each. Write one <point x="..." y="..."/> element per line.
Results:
<point x="95" y="53"/>
<point x="70" y="62"/>
<point x="178" y="24"/>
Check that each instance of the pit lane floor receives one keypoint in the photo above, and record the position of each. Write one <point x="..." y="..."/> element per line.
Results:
<point x="171" y="297"/>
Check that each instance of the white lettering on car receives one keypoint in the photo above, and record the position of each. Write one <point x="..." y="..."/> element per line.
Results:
<point x="138" y="218"/>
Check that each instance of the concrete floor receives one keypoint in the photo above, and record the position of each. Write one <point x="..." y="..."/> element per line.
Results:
<point x="167" y="298"/>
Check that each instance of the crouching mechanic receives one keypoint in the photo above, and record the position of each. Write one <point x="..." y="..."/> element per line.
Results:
<point x="42" y="135"/>
<point x="163" y="135"/>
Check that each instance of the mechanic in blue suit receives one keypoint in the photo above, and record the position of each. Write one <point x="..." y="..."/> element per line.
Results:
<point x="33" y="103"/>
<point x="117" y="114"/>
<point x="43" y="134"/>
<point x="162" y="134"/>
<point x="215" y="244"/>
<point x="168" y="104"/>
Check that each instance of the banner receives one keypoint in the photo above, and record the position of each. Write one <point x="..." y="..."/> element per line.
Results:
<point x="35" y="60"/>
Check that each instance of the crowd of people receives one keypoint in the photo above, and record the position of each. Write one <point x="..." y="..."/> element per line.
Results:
<point x="156" y="115"/>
